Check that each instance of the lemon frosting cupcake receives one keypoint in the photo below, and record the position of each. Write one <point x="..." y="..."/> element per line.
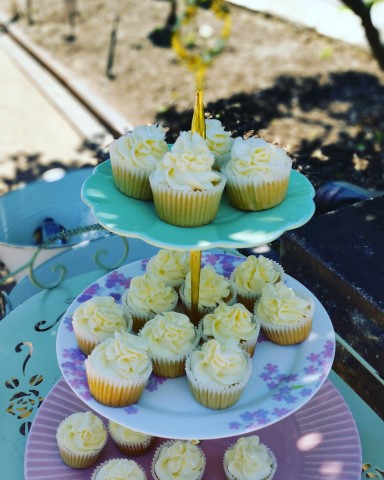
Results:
<point x="213" y="289"/>
<point x="285" y="315"/>
<point x="170" y="336"/>
<point x="118" y="469"/>
<point x="130" y="442"/>
<point x="250" y="276"/>
<point x="247" y="459"/>
<point x="134" y="156"/>
<point x="97" y="319"/>
<point x="219" y="142"/>
<point x="232" y="322"/>
<point x="147" y="296"/>
<point x="186" y="191"/>
<point x="117" y="370"/>
<point x="170" y="266"/>
<point x="257" y="174"/>
<point x="218" y="373"/>
<point x="176" y="459"/>
<point x="80" y="438"/>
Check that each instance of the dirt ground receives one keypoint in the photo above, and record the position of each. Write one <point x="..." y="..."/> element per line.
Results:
<point x="321" y="99"/>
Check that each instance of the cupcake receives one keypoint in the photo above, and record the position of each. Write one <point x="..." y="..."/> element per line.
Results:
<point x="80" y="438"/>
<point x="170" y="266"/>
<point x="186" y="191"/>
<point x="232" y="322"/>
<point x="130" y="442"/>
<point x="219" y="142"/>
<point x="218" y="373"/>
<point x="249" y="459"/>
<point x="257" y="174"/>
<point x="147" y="296"/>
<point x="285" y="315"/>
<point x="97" y="319"/>
<point x="134" y="156"/>
<point x="170" y="336"/>
<point x="250" y="276"/>
<point x="177" y="459"/>
<point x="119" y="468"/>
<point x="213" y="289"/>
<point x="117" y="370"/>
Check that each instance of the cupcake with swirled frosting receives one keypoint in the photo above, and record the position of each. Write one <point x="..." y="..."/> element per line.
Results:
<point x="147" y="296"/>
<point x="213" y="289"/>
<point x="248" y="459"/>
<point x="170" y="266"/>
<point x="170" y="336"/>
<point x="232" y="322"/>
<point x="178" y="459"/>
<point x="251" y="275"/>
<point x="134" y="156"/>
<point x="97" y="319"/>
<point x="285" y="314"/>
<point x="218" y="373"/>
<point x="81" y="438"/>
<point x="219" y="142"/>
<point x="257" y="174"/>
<point x="130" y="442"/>
<point x="186" y="191"/>
<point x="119" y="469"/>
<point x="117" y="370"/>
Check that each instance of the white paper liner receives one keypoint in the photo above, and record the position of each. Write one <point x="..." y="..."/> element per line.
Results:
<point x="132" y="448"/>
<point x="132" y="182"/>
<point x="216" y="397"/>
<point x="229" y="476"/>
<point x="99" y="467"/>
<point x="168" y="443"/>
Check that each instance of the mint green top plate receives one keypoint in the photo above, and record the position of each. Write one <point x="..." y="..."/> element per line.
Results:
<point x="231" y="228"/>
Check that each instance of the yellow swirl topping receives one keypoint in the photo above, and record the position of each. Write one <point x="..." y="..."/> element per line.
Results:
<point x="220" y="364"/>
<point x="179" y="460"/>
<point x="169" y="335"/>
<point x="213" y="287"/>
<point x="120" y="469"/>
<point x="122" y="357"/>
<point x="252" y="274"/>
<point x="99" y="316"/>
<point x="82" y="432"/>
<point x="142" y="148"/>
<point x="188" y="166"/>
<point x="248" y="459"/>
<point x="170" y="266"/>
<point x="148" y="294"/>
<point x="281" y="305"/>
<point x="229" y="321"/>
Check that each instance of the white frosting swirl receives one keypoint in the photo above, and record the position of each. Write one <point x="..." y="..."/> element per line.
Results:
<point x="254" y="157"/>
<point x="170" y="266"/>
<point x="229" y="321"/>
<point x="281" y="305"/>
<point x="188" y="166"/>
<point x="81" y="432"/>
<point x="142" y="148"/>
<point x="179" y="460"/>
<point x="120" y="469"/>
<point x="219" y="141"/>
<point x="122" y="357"/>
<point x="125" y="434"/>
<point x="149" y="294"/>
<point x="169" y="335"/>
<point x="248" y="459"/>
<point x="99" y="316"/>
<point x="219" y="364"/>
<point x="213" y="287"/>
<point x="252" y="274"/>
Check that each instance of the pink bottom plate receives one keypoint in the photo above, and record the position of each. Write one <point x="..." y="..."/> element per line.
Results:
<point x="318" y="442"/>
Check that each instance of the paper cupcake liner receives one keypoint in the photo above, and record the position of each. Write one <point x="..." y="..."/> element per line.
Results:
<point x="229" y="476"/>
<point x="115" y="393"/>
<point x="133" y="183"/>
<point x="187" y="209"/>
<point x="99" y="467"/>
<point x="133" y="449"/>
<point x="168" y="443"/>
<point x="253" y="195"/>
<point x="217" y="398"/>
